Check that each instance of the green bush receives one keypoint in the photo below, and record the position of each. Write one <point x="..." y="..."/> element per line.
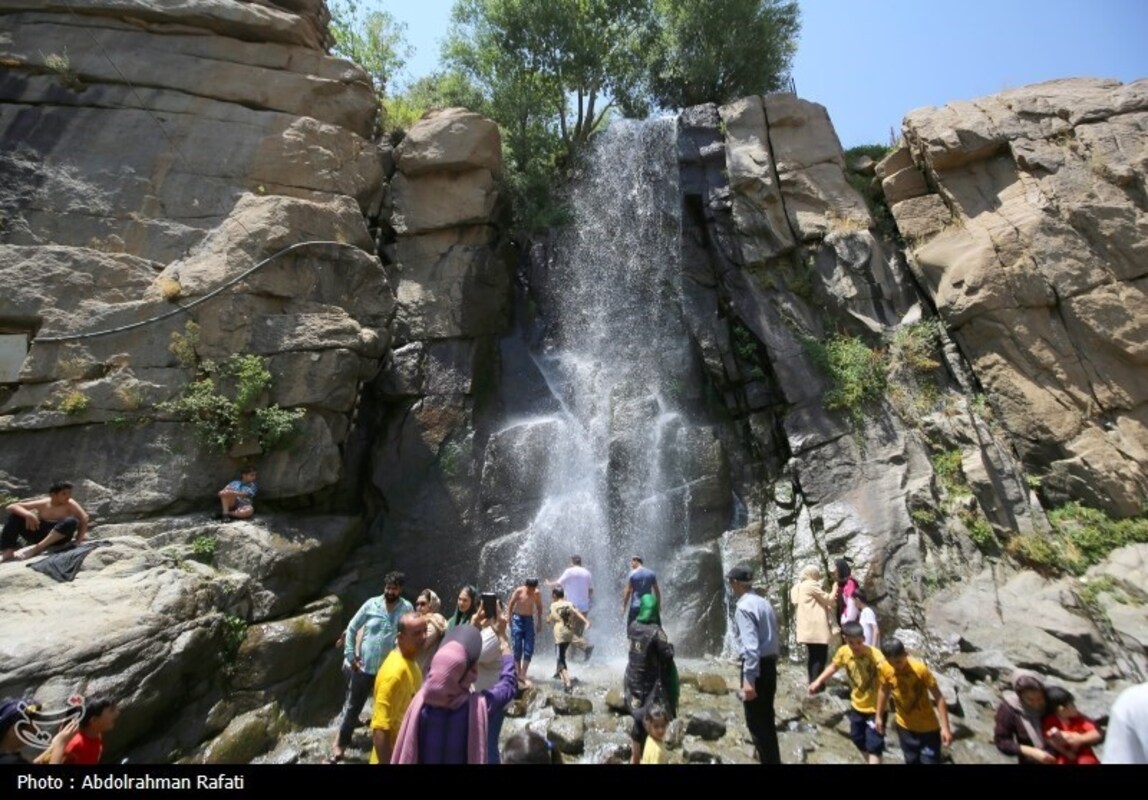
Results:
<point x="923" y="517"/>
<point x="203" y="549"/>
<point x="74" y="403"/>
<point x="856" y="372"/>
<point x="912" y="347"/>
<point x="1081" y="537"/>
<point x="874" y="151"/>
<point x="275" y="425"/>
<point x="234" y="632"/>
<point x="947" y="468"/>
<point x="251" y="378"/>
<point x="220" y="401"/>
<point x="980" y="531"/>
<point x="185" y="346"/>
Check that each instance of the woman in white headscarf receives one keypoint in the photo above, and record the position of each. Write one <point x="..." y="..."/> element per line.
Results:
<point x="812" y="608"/>
<point x="428" y="604"/>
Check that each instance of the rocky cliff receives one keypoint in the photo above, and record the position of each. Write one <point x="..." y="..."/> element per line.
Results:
<point x="905" y="363"/>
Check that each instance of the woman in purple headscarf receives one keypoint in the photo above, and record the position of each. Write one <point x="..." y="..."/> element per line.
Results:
<point x="446" y="722"/>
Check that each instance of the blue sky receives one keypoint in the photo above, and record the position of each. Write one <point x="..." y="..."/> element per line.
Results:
<point x="869" y="62"/>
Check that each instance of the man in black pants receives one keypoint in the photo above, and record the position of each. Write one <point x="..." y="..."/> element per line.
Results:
<point x="43" y="523"/>
<point x="756" y="626"/>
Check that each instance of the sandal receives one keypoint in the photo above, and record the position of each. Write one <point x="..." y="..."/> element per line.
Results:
<point x="335" y="759"/>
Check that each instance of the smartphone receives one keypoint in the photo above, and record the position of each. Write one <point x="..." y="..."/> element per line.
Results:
<point x="489" y="605"/>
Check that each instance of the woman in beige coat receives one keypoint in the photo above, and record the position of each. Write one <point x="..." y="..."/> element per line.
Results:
<point x="813" y="607"/>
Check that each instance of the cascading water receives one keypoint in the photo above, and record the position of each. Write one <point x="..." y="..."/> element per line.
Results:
<point x="616" y="357"/>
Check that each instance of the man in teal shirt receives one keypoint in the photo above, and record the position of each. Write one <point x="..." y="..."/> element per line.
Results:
<point x="378" y="622"/>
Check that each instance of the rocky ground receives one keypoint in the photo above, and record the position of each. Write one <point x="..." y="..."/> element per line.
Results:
<point x="591" y="726"/>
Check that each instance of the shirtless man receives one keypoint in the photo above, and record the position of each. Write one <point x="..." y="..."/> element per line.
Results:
<point x="44" y="522"/>
<point x="525" y="609"/>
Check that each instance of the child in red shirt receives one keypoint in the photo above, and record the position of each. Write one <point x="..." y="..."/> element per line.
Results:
<point x="1068" y="734"/>
<point x="87" y="745"/>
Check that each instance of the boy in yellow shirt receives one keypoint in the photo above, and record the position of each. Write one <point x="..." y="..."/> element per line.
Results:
<point x="911" y="684"/>
<point x="861" y="663"/>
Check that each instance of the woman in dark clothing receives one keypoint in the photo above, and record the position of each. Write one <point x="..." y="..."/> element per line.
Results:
<point x="651" y="675"/>
<point x="1017" y="731"/>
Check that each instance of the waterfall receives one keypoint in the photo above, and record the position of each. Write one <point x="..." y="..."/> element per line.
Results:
<point x="613" y="461"/>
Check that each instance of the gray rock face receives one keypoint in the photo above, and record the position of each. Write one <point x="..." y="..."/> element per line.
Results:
<point x="1018" y="620"/>
<point x="234" y="155"/>
<point x="1042" y="283"/>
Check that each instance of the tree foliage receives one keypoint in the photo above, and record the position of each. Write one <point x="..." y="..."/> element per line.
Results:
<point x="372" y="38"/>
<point x="552" y="73"/>
<point x="715" y="51"/>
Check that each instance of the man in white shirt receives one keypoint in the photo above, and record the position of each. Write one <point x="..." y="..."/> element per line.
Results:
<point x="1127" y="738"/>
<point x="578" y="584"/>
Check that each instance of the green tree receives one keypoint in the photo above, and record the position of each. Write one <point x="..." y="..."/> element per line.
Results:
<point x="715" y="51"/>
<point x="372" y="38"/>
<point x="550" y="74"/>
<point x="439" y="90"/>
<point x="558" y="66"/>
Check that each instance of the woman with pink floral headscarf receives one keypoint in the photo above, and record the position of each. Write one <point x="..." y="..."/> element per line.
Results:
<point x="446" y="722"/>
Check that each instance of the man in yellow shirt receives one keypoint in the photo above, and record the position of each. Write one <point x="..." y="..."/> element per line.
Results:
<point x="861" y="663"/>
<point x="396" y="684"/>
<point x="911" y="684"/>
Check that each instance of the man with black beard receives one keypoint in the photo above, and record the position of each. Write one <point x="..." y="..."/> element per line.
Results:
<point x="378" y="620"/>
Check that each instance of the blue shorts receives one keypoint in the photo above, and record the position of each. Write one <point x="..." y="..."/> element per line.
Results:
<point x="920" y="748"/>
<point x="864" y="734"/>
<point x="522" y="635"/>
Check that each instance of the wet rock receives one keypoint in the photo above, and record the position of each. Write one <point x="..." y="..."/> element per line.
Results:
<point x="712" y="683"/>
<point x="569" y="705"/>
<point x="707" y="725"/>
<point x="517" y="708"/>
<point x="694" y="752"/>
<point x="567" y="734"/>
<point x="248" y="736"/>
<point x="824" y="709"/>
<point x="616" y="701"/>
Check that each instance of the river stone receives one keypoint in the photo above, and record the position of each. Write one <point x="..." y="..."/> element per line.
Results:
<point x="616" y="701"/>
<point x="567" y="734"/>
<point x="517" y="708"/>
<point x="699" y="753"/>
<point x="824" y="709"/>
<point x="248" y="736"/>
<point x="687" y="677"/>
<point x="712" y="683"/>
<point x="706" y="724"/>
<point x="569" y="705"/>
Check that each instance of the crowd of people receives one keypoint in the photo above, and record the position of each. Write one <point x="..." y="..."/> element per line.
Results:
<point x="440" y="686"/>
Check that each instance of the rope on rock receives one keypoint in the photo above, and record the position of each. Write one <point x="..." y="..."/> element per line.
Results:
<point x="181" y="309"/>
